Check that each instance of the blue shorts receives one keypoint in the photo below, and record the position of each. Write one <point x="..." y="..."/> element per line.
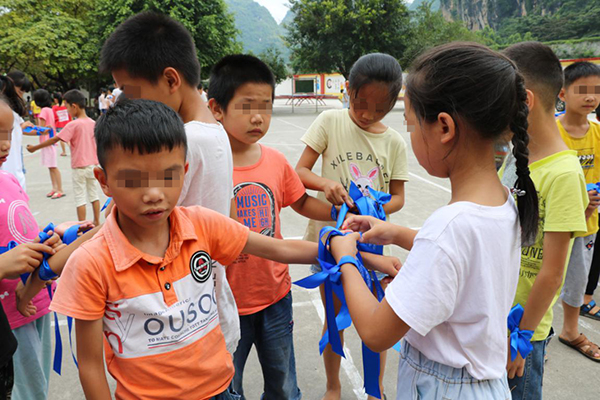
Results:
<point x="422" y="378"/>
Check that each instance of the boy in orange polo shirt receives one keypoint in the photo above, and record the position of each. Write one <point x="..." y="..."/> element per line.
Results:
<point x="144" y="285"/>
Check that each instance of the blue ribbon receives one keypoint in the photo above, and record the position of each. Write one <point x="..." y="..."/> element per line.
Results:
<point x="39" y="130"/>
<point x="106" y="204"/>
<point x="520" y="339"/>
<point x="593" y="186"/>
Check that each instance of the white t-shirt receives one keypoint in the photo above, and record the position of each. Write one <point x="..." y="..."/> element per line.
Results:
<point x="14" y="161"/>
<point x="101" y="102"/>
<point x="209" y="183"/>
<point x="116" y="93"/>
<point x="457" y="286"/>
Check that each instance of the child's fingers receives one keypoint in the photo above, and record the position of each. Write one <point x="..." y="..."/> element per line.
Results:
<point x="40" y="248"/>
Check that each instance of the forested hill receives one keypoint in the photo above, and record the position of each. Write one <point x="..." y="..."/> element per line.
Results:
<point x="258" y="29"/>
<point x="545" y="19"/>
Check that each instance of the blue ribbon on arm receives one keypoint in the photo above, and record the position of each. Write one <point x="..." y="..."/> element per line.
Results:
<point x="330" y="278"/>
<point x="520" y="339"/>
<point x="39" y="130"/>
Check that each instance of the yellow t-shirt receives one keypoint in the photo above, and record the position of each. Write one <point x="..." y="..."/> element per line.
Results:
<point x="588" y="151"/>
<point x="34" y="108"/>
<point x="351" y="154"/>
<point x="562" y="201"/>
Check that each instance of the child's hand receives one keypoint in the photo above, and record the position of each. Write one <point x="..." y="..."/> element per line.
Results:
<point x="336" y="194"/>
<point x="515" y="368"/>
<point x="31" y="148"/>
<point x="27" y="309"/>
<point x="594" y="203"/>
<point x="24" y="258"/>
<point x="387" y="265"/>
<point x="341" y="246"/>
<point x="375" y="231"/>
<point x="83" y="226"/>
<point x="27" y="124"/>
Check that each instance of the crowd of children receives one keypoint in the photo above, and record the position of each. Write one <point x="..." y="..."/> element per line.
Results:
<point x="190" y="271"/>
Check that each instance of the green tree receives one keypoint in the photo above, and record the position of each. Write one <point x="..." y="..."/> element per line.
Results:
<point x="429" y="28"/>
<point x="273" y="58"/>
<point x="330" y="35"/>
<point x="50" y="40"/>
<point x="211" y="26"/>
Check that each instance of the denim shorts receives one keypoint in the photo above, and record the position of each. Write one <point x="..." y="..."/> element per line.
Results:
<point x="421" y="378"/>
<point x="228" y="394"/>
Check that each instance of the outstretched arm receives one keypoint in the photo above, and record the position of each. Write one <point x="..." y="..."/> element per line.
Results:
<point x="283" y="251"/>
<point x="377" y="324"/>
<point x="33" y="148"/>
<point x="312" y="208"/>
<point x="376" y="231"/>
<point x="57" y="263"/>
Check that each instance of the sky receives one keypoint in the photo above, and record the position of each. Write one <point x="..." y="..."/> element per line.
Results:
<point x="278" y="8"/>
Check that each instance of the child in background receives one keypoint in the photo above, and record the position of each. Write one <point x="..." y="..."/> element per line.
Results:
<point x="79" y="134"/>
<point x="562" y="199"/>
<point x="61" y="118"/>
<point x="102" y="101"/>
<point x="356" y="147"/>
<point x="14" y="162"/>
<point x="159" y="280"/>
<point x="581" y="94"/>
<point x="32" y="358"/>
<point x="35" y="109"/>
<point x="172" y="78"/>
<point x="46" y="119"/>
<point x="452" y="296"/>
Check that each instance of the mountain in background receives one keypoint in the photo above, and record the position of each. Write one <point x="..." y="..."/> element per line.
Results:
<point x="544" y="19"/>
<point x="416" y="3"/>
<point x="258" y="29"/>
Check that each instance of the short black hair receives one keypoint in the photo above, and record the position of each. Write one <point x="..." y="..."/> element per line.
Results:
<point x="541" y="69"/>
<point x="76" y="97"/>
<point x="236" y="70"/>
<point x="57" y="96"/>
<point x="103" y="90"/>
<point x="143" y="125"/>
<point x="578" y="70"/>
<point x="147" y="43"/>
<point x="42" y="98"/>
<point x="20" y="80"/>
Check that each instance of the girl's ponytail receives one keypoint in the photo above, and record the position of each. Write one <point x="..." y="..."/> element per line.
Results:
<point x="527" y="199"/>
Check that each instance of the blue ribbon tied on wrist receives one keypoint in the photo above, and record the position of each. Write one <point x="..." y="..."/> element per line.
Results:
<point x="520" y="339"/>
<point x="330" y="276"/>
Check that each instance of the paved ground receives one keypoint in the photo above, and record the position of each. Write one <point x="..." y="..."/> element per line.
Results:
<point x="568" y="375"/>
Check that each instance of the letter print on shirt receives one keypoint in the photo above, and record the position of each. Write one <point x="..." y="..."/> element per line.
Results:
<point x="256" y="207"/>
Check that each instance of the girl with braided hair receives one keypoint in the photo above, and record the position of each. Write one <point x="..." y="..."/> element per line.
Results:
<point x="451" y="299"/>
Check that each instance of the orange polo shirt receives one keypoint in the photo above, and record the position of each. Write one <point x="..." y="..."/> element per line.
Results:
<point x="161" y="327"/>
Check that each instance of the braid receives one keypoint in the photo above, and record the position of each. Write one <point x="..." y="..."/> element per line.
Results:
<point x="527" y="202"/>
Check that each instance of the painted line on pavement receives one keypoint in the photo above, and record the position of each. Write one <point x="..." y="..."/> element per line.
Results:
<point x="289" y="123"/>
<point x="445" y="189"/>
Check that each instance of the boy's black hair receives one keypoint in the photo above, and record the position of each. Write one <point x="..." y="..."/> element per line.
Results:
<point x="541" y="69"/>
<point x="376" y="67"/>
<point x="57" y="96"/>
<point x="76" y="97"/>
<point x="103" y="90"/>
<point x="481" y="89"/>
<point x="143" y="125"/>
<point x="147" y="43"/>
<point x="580" y="69"/>
<point x="233" y="71"/>
<point x="20" y="80"/>
<point x="42" y="98"/>
<point x="7" y="89"/>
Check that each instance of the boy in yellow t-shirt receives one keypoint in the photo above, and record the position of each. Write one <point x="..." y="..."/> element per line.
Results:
<point x="562" y="198"/>
<point x="581" y="94"/>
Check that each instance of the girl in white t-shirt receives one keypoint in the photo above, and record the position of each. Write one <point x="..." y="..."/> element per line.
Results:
<point x="355" y="146"/>
<point x="451" y="298"/>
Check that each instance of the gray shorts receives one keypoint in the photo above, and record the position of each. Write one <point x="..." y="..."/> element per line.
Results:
<point x="578" y="270"/>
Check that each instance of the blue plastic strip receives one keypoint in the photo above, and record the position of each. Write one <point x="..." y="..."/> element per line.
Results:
<point x="520" y="339"/>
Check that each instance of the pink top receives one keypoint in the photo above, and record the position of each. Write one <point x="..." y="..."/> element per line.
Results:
<point x="17" y="223"/>
<point x="48" y="116"/>
<point x="80" y="136"/>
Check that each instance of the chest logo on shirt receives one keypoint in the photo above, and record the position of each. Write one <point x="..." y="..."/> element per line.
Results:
<point x="255" y="204"/>
<point x="201" y="266"/>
